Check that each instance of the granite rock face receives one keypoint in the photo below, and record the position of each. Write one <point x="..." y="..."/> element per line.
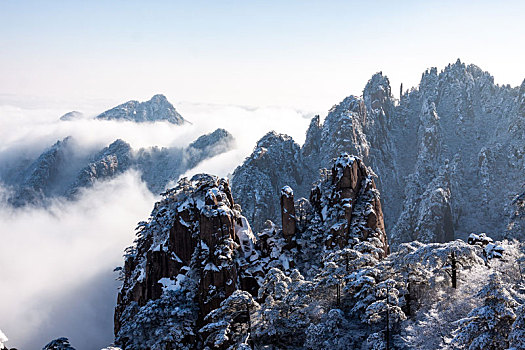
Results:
<point x="185" y="251"/>
<point x="516" y="222"/>
<point x="348" y="203"/>
<point x="158" y="108"/>
<point x="448" y="155"/>
<point x="112" y="160"/>
<point x="42" y="177"/>
<point x="276" y="162"/>
<point x="288" y="214"/>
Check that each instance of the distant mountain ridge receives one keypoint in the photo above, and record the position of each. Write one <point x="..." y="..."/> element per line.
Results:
<point x="65" y="168"/>
<point x="449" y="155"/>
<point x="73" y="115"/>
<point x="62" y="170"/>
<point x="158" y="108"/>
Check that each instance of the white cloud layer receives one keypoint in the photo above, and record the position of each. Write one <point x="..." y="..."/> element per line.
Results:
<point x="57" y="263"/>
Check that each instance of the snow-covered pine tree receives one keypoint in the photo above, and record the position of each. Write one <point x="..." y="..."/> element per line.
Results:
<point x="159" y="322"/>
<point x="59" y="344"/>
<point x="229" y="325"/>
<point x="290" y="305"/>
<point x="517" y="334"/>
<point x="488" y="326"/>
<point x="331" y="333"/>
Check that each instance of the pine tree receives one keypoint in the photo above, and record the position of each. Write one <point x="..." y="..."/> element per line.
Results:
<point x="330" y="333"/>
<point x="488" y="326"/>
<point x="230" y="324"/>
<point x="59" y="344"/>
<point x="517" y="334"/>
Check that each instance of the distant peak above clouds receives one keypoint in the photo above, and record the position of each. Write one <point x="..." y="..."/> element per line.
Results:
<point x="73" y="115"/>
<point x="158" y="108"/>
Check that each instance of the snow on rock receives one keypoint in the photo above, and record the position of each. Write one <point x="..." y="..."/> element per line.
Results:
<point x="198" y="277"/>
<point x="275" y="162"/>
<point x="245" y="235"/>
<point x="287" y="191"/>
<point x="187" y="249"/>
<point x="494" y="251"/>
<point x="157" y="108"/>
<point x="479" y="239"/>
<point x="198" y="247"/>
<point x="64" y="170"/>
<point x="448" y="155"/>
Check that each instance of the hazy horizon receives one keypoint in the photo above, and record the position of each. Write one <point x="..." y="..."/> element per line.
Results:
<point x="306" y="56"/>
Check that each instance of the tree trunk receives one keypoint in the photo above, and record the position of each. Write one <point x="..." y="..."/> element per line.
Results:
<point x="454" y="270"/>
<point x="387" y="319"/>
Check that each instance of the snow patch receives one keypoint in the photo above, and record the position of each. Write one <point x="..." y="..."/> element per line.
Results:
<point x="172" y="285"/>
<point x="3" y="339"/>
<point x="287" y="191"/>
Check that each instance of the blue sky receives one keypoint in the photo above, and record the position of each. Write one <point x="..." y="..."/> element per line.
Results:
<point x="304" y="54"/>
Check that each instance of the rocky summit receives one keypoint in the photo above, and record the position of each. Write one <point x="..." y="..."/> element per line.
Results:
<point x="449" y="155"/>
<point x="158" y="108"/>
<point x="197" y="274"/>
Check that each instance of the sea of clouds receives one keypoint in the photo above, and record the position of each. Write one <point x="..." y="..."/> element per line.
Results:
<point x="56" y="263"/>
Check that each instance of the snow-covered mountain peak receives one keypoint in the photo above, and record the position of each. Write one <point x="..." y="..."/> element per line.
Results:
<point x="196" y="259"/>
<point x="377" y="91"/>
<point x="158" y="108"/>
<point x="73" y="115"/>
<point x="458" y="115"/>
<point x="212" y="139"/>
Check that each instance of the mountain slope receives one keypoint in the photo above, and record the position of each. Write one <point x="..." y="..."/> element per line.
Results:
<point x="449" y="155"/>
<point x="157" y="108"/>
<point x="64" y="170"/>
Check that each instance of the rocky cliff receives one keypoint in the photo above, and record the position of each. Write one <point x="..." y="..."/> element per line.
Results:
<point x="516" y="221"/>
<point x="197" y="271"/>
<point x="448" y="154"/>
<point x="42" y="177"/>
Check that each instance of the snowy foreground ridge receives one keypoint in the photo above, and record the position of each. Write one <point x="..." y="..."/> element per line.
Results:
<point x="198" y="277"/>
<point x="219" y="282"/>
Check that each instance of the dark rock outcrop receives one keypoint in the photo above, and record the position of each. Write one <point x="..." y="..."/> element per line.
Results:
<point x="348" y="203"/>
<point x="288" y="214"/>
<point x="187" y="248"/>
